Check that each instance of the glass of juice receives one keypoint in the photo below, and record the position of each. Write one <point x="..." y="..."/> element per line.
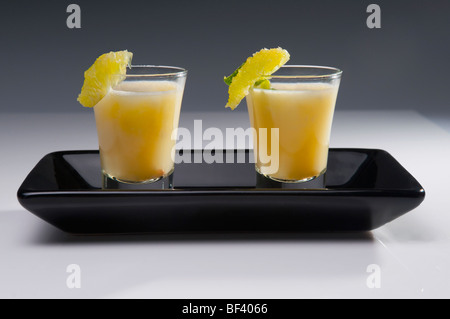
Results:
<point x="292" y="121"/>
<point x="137" y="122"/>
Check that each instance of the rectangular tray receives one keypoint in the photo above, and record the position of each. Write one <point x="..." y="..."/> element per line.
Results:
<point x="365" y="189"/>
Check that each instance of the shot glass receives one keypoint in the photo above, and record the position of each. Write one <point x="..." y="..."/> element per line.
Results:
<point x="136" y="124"/>
<point x="292" y="121"/>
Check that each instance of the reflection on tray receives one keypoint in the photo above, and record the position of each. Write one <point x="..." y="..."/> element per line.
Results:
<point x="346" y="169"/>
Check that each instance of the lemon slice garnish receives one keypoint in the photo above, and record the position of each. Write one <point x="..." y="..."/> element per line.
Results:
<point x="99" y="78"/>
<point x="256" y="70"/>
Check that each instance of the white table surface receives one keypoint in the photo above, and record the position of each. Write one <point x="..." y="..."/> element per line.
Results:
<point x="412" y="252"/>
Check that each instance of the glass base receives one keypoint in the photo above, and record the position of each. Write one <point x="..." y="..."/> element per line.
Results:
<point x="315" y="182"/>
<point x="112" y="183"/>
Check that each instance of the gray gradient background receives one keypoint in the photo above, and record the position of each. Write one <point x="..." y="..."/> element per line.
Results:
<point x="403" y="65"/>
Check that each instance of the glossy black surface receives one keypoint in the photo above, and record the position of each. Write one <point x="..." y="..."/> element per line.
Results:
<point x="364" y="189"/>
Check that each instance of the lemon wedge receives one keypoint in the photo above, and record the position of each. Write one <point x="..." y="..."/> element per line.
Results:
<point x="99" y="78"/>
<point x="255" y="71"/>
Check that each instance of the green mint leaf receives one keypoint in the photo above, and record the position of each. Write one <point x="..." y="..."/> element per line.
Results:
<point x="229" y="78"/>
<point x="262" y="84"/>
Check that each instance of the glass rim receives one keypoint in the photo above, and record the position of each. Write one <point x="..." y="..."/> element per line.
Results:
<point x="175" y="71"/>
<point x="333" y="74"/>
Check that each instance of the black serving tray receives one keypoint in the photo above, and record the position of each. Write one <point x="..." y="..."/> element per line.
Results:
<point x="364" y="189"/>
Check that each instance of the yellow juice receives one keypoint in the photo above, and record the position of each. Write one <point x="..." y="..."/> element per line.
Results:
<point x="135" y="122"/>
<point x="303" y="113"/>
